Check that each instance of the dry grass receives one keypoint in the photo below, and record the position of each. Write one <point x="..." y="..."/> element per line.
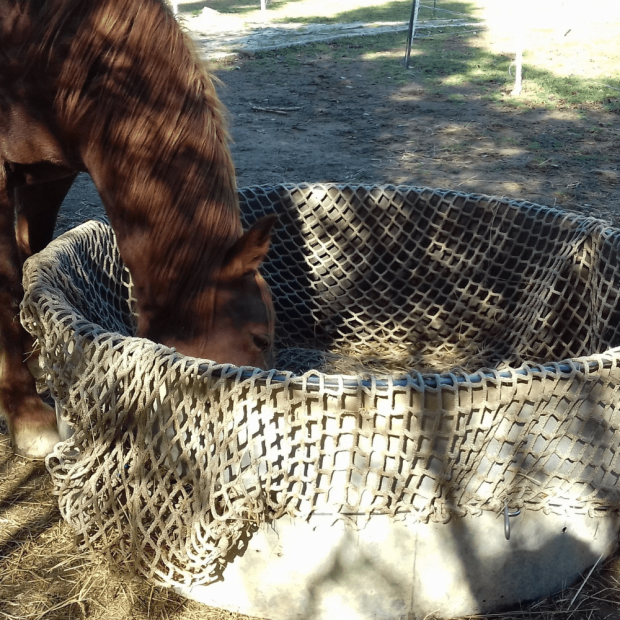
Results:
<point x="42" y="576"/>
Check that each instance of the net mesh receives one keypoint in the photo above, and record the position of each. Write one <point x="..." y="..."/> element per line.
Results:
<point x="507" y="311"/>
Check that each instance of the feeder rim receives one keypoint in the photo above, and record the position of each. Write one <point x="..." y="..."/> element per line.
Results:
<point x="315" y="381"/>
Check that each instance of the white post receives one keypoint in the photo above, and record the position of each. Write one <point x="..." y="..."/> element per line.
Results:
<point x="518" y="67"/>
<point x="520" y="39"/>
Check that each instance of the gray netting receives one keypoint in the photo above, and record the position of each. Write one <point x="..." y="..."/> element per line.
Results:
<point x="175" y="461"/>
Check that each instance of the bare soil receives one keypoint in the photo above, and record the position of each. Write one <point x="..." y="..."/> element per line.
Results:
<point x="351" y="127"/>
<point x="323" y="121"/>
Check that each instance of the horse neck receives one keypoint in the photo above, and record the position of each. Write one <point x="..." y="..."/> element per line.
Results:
<point x="174" y="251"/>
<point x="150" y="130"/>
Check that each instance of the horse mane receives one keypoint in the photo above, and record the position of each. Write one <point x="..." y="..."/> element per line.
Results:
<point x="145" y="120"/>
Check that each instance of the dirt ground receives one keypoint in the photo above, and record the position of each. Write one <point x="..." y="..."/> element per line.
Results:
<point x="353" y="129"/>
<point x="315" y="123"/>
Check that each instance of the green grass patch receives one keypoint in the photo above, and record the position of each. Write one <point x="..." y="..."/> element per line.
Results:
<point x="543" y="88"/>
<point x="456" y="66"/>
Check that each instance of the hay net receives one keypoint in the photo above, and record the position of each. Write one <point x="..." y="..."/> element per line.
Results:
<point x="175" y="461"/>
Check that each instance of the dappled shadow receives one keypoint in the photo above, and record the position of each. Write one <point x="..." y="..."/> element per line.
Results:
<point x="445" y="123"/>
<point x="388" y="10"/>
<point x="399" y="116"/>
<point x="519" y="279"/>
<point x="229" y="32"/>
<point x="462" y="64"/>
<point x="156" y="149"/>
<point x="437" y="279"/>
<point x="44" y="574"/>
<point x="338" y="570"/>
<point x="394" y="11"/>
<point x="388" y="569"/>
<point x="421" y="136"/>
<point x="27" y="513"/>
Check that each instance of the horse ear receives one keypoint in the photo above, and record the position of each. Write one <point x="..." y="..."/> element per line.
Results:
<point x="251" y="248"/>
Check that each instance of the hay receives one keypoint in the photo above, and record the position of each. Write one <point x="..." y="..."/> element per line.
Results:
<point x="44" y="577"/>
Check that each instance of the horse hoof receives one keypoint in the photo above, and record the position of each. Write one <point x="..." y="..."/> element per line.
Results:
<point x="36" y="443"/>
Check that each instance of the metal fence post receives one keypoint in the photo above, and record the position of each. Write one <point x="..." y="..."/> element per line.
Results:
<point x="413" y="20"/>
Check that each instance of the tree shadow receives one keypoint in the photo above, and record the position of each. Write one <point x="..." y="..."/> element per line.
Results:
<point x="458" y="280"/>
<point x="389" y="10"/>
<point x="445" y="95"/>
<point x="298" y="287"/>
<point x="516" y="281"/>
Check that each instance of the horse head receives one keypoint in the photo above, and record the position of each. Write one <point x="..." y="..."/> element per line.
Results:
<point x="242" y="331"/>
<point x="236" y="324"/>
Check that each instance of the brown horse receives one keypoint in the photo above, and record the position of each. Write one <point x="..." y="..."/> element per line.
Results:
<point x="113" y="87"/>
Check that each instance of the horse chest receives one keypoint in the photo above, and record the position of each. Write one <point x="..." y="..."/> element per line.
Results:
<point x="27" y="141"/>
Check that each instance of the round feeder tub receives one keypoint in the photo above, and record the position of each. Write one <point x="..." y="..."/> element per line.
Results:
<point x="440" y="435"/>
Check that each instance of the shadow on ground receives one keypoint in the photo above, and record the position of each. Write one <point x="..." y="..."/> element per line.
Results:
<point x="358" y="118"/>
<point x="336" y="113"/>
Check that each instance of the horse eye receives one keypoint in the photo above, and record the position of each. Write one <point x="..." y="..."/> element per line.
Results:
<point x="261" y="343"/>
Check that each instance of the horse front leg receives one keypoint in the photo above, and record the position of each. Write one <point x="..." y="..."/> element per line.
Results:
<point x="32" y="423"/>
<point x="36" y="208"/>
